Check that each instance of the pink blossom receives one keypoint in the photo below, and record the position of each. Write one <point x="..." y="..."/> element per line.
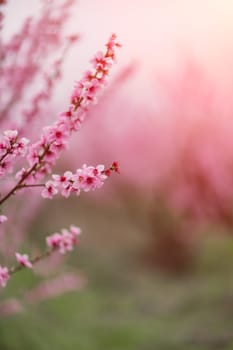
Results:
<point x="20" y="148"/>
<point x="6" y="166"/>
<point x="3" y="147"/>
<point x="90" y="178"/>
<point x="4" y="276"/>
<point x="76" y="231"/>
<point x="62" y="180"/>
<point x="3" y="218"/>
<point x="101" y="61"/>
<point x="68" y="189"/>
<point x="54" y="240"/>
<point x="87" y="178"/>
<point x="11" y="147"/>
<point x="11" y="135"/>
<point x="88" y="75"/>
<point x="92" y="89"/>
<point x="65" y="240"/>
<point x="33" y="156"/>
<point x="49" y="191"/>
<point x="23" y="260"/>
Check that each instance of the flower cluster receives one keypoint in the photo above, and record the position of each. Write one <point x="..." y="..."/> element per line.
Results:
<point x="87" y="178"/>
<point x="11" y="147"/>
<point x="64" y="241"/>
<point x="43" y="154"/>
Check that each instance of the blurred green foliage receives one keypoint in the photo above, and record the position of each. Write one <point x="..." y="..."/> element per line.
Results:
<point x="127" y="307"/>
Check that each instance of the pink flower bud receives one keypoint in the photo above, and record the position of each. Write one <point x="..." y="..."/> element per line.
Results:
<point x="23" y="260"/>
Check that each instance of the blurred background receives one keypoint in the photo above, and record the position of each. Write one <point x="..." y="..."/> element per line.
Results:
<point x="154" y="266"/>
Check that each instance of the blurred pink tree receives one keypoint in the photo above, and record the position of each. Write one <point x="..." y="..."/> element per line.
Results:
<point x="176" y="157"/>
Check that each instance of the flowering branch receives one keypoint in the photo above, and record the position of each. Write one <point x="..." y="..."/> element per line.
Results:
<point x="21" y="60"/>
<point x="86" y="179"/>
<point x="43" y="154"/>
<point x="62" y="242"/>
